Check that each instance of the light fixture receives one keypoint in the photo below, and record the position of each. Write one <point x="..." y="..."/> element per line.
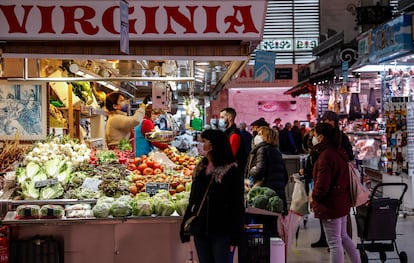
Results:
<point x="80" y="71"/>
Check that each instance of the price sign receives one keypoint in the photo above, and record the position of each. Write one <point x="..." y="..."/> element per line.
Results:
<point x="43" y="183"/>
<point x="151" y="188"/>
<point x="163" y="186"/>
<point x="91" y="184"/>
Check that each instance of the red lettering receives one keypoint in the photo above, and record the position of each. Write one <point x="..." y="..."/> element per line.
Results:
<point x="211" y="16"/>
<point x="132" y="22"/>
<point x="10" y="15"/>
<point x="174" y="14"/>
<point x="108" y="20"/>
<point x="246" y="20"/>
<point x="150" y="23"/>
<point x="69" y="18"/>
<point x="243" y="74"/>
<point x="46" y="16"/>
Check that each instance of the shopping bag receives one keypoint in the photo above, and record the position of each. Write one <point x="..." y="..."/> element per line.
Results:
<point x="299" y="202"/>
<point x="359" y="192"/>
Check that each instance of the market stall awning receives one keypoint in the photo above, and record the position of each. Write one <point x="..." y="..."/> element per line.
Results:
<point x="302" y="88"/>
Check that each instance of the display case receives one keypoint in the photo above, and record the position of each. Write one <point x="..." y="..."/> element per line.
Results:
<point x="369" y="149"/>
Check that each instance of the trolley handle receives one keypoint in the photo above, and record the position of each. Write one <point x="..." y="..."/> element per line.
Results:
<point x="390" y="184"/>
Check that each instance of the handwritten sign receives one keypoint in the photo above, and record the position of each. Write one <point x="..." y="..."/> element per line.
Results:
<point x="91" y="184"/>
<point x="153" y="188"/>
<point x="43" y="183"/>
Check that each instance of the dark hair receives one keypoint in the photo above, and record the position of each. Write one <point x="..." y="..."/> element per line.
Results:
<point x="220" y="147"/>
<point x="112" y="99"/>
<point x="230" y="111"/>
<point x="330" y="116"/>
<point x="328" y="132"/>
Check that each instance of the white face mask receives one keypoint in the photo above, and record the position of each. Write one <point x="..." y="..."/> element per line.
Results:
<point x="200" y="149"/>
<point x="315" y="140"/>
<point x="222" y="124"/>
<point x="257" y="139"/>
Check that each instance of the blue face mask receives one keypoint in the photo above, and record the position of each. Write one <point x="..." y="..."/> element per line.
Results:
<point x="125" y="107"/>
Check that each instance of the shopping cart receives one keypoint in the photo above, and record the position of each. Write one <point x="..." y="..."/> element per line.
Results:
<point x="376" y="223"/>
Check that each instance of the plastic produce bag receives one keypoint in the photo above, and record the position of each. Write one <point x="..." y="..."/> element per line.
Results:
<point x="299" y="202"/>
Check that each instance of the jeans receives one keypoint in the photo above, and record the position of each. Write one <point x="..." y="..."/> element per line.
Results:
<point x="213" y="248"/>
<point x="339" y="240"/>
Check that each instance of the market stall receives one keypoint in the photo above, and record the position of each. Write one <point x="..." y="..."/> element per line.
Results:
<point x="389" y="61"/>
<point x="47" y="60"/>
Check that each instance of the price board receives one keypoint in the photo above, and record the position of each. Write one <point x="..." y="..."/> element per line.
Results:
<point x="153" y="188"/>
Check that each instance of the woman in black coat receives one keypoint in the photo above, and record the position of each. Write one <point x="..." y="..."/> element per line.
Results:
<point x="219" y="227"/>
<point x="266" y="167"/>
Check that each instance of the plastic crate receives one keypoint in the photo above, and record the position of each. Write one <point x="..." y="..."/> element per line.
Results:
<point x="257" y="242"/>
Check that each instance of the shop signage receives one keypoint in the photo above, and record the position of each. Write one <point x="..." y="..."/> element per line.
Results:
<point x="270" y="44"/>
<point x="283" y="73"/>
<point x="246" y="78"/>
<point x="392" y="40"/>
<point x="148" y="20"/>
<point x="264" y="66"/>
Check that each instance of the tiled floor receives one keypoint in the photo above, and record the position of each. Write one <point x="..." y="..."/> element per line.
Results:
<point x="303" y="253"/>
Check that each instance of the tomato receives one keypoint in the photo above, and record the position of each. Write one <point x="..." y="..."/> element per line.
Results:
<point x="137" y="161"/>
<point x="141" y="167"/>
<point x="143" y="156"/>
<point x="157" y="171"/>
<point x="132" y="167"/>
<point x="150" y="163"/>
<point x="148" y="171"/>
<point x="156" y="165"/>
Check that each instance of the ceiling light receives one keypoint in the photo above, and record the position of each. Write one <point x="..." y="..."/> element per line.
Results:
<point x="74" y="68"/>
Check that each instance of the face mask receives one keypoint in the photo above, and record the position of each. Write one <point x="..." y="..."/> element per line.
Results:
<point x="124" y="107"/>
<point x="223" y="123"/>
<point x="257" y="139"/>
<point x="315" y="140"/>
<point x="200" y="149"/>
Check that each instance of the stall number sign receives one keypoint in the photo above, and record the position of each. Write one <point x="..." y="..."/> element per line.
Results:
<point x="153" y="188"/>
<point x="43" y="183"/>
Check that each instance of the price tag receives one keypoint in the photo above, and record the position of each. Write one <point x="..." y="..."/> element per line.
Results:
<point x="91" y="184"/>
<point x="163" y="186"/>
<point x="43" y="183"/>
<point x="151" y="188"/>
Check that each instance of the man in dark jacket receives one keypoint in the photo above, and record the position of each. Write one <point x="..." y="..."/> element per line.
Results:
<point x="227" y="122"/>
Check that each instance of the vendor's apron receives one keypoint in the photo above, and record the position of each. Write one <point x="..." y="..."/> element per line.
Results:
<point x="142" y="145"/>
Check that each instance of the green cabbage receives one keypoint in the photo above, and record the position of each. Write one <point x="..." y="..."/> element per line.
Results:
<point x="101" y="210"/>
<point x="181" y="205"/>
<point x="121" y="207"/>
<point x="141" y="207"/>
<point x="51" y="192"/>
<point x="163" y="206"/>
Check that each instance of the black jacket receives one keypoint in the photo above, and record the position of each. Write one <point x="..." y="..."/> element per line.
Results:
<point x="241" y="155"/>
<point x="266" y="164"/>
<point x="223" y="210"/>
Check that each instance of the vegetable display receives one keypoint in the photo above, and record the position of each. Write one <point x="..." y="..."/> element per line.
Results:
<point x="265" y="198"/>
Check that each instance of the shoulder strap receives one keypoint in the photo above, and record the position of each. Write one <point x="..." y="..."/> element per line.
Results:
<point x="205" y="196"/>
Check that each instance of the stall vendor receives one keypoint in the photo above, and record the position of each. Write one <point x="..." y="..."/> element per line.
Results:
<point x="119" y="125"/>
<point x="142" y="145"/>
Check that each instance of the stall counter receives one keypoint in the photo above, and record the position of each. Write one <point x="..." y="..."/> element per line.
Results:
<point x="144" y="239"/>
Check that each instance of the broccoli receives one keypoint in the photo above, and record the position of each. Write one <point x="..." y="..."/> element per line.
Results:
<point x="268" y="192"/>
<point x="275" y="204"/>
<point x="259" y="191"/>
<point x="260" y="202"/>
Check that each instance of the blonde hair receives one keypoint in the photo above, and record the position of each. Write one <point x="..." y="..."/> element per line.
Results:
<point x="269" y="135"/>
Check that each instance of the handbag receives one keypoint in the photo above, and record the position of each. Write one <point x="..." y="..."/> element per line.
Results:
<point x="359" y="192"/>
<point x="189" y="221"/>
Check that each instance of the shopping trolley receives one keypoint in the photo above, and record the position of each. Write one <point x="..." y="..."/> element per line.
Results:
<point x="376" y="224"/>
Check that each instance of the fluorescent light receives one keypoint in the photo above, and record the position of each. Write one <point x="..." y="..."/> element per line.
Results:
<point x="370" y="68"/>
<point x="74" y="68"/>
